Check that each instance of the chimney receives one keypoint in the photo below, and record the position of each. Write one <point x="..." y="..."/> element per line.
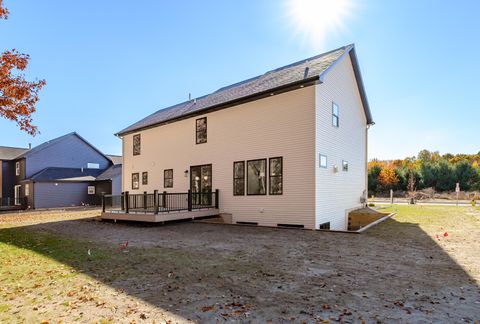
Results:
<point x="29" y="146"/>
<point x="189" y="96"/>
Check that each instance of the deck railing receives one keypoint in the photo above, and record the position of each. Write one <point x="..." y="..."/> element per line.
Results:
<point x="154" y="203"/>
<point x="13" y="203"/>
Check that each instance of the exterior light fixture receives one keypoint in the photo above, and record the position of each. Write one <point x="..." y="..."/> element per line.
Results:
<point x="186" y="173"/>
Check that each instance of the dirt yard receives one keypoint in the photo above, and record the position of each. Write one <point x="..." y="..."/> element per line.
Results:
<point x="423" y="265"/>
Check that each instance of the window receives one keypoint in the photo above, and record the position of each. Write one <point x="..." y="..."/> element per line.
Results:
<point x="136" y="144"/>
<point x="276" y="176"/>
<point x="345" y="165"/>
<point x="201" y="130"/>
<point x="27" y="189"/>
<point x="168" y="178"/>
<point x="17" y="168"/>
<point x="135" y="181"/>
<point x="144" y="178"/>
<point x="323" y="161"/>
<point x="325" y="226"/>
<point x="93" y="166"/>
<point x="335" y="115"/>
<point x="256" y="177"/>
<point x="91" y="190"/>
<point x="239" y="178"/>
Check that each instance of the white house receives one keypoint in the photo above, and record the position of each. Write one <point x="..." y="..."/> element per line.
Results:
<point x="286" y="148"/>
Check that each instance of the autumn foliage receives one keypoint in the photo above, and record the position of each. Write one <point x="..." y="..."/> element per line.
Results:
<point x="18" y="96"/>
<point x="388" y="177"/>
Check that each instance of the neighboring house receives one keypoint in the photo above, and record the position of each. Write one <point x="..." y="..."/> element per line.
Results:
<point x="62" y="172"/>
<point x="287" y="148"/>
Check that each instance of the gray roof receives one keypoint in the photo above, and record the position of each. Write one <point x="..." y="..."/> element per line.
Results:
<point x="66" y="174"/>
<point x="116" y="159"/>
<point x="300" y="72"/>
<point x="111" y="172"/>
<point x="10" y="153"/>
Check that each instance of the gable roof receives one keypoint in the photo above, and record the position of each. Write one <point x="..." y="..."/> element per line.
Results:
<point x="10" y="153"/>
<point x="111" y="172"/>
<point x="116" y="159"/>
<point x="54" y="141"/>
<point x="66" y="174"/>
<point x="289" y="77"/>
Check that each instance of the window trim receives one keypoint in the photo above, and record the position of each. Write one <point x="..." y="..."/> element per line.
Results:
<point x="320" y="161"/>
<point x="242" y="178"/>
<point x="276" y="176"/>
<point x="335" y="116"/>
<point x="196" y="130"/>
<point x="139" y="152"/>
<point x="165" y="178"/>
<point x="266" y="170"/>
<point x="138" y="181"/>
<point x="343" y="165"/>
<point x="145" y="178"/>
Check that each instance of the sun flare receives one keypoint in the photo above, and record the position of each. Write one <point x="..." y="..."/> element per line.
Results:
<point x="315" y="19"/>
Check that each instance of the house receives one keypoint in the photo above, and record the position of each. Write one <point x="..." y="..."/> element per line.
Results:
<point x="286" y="148"/>
<point x="63" y="172"/>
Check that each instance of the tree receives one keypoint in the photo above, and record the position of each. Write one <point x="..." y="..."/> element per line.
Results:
<point x="18" y="96"/>
<point x="388" y="177"/>
<point x="466" y="175"/>
<point x="373" y="174"/>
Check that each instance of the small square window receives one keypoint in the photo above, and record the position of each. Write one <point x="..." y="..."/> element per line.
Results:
<point x="335" y="115"/>
<point x="135" y="181"/>
<point x="91" y="190"/>
<point x="345" y="165"/>
<point x="144" y="178"/>
<point x="137" y="144"/>
<point x="323" y="161"/>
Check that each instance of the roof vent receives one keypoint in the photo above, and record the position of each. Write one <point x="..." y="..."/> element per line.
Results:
<point x="305" y="74"/>
<point x="194" y="101"/>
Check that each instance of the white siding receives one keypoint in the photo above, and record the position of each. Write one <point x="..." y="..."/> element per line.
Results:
<point x="336" y="193"/>
<point x="281" y="125"/>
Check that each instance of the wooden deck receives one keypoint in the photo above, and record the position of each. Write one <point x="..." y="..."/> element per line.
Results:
<point x="160" y="217"/>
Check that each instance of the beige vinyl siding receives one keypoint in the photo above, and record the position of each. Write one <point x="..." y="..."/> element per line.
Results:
<point x="336" y="193"/>
<point x="280" y="125"/>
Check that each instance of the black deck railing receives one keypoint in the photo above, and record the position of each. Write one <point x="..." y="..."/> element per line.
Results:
<point x="8" y="203"/>
<point x="164" y="202"/>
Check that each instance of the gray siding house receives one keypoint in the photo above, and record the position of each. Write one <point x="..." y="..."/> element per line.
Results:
<point x="66" y="171"/>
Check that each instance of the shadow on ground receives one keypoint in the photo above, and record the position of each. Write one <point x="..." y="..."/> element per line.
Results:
<point x="204" y="272"/>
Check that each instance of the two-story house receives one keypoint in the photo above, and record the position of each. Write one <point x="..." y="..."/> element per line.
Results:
<point x="63" y="172"/>
<point x="286" y="148"/>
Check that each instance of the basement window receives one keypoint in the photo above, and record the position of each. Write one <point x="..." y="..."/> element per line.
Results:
<point x="335" y="115"/>
<point x="325" y="226"/>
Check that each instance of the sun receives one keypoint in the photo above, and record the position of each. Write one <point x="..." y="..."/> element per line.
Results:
<point x="314" y="20"/>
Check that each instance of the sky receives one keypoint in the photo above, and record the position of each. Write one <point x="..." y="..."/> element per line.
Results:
<point x="110" y="63"/>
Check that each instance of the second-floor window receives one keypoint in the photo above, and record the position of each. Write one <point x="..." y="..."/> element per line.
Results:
<point x="136" y="144"/>
<point x="17" y="168"/>
<point x="335" y="115"/>
<point x="201" y="130"/>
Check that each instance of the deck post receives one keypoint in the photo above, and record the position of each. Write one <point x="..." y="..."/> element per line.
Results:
<point x="216" y="198"/>
<point x="122" y="201"/>
<point x="145" y="200"/>
<point x="155" y="201"/>
<point x="103" y="203"/>
<point x="164" y="200"/>
<point x="189" y="198"/>
<point x="127" y="203"/>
